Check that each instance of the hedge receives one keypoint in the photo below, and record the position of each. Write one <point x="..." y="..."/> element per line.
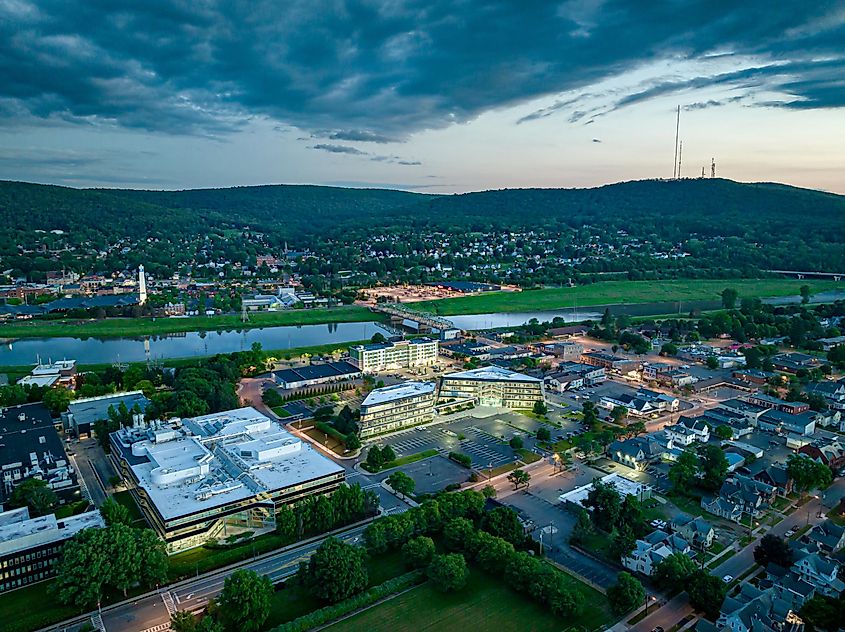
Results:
<point x="461" y="459"/>
<point x="362" y="600"/>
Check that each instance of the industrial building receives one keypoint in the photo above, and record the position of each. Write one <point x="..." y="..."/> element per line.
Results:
<point x="61" y="373"/>
<point x="217" y="475"/>
<point x="30" y="547"/>
<point x="402" y="354"/>
<point x="30" y="447"/>
<point x="316" y="374"/>
<point x="395" y="407"/>
<point x="83" y="413"/>
<point x="492" y="386"/>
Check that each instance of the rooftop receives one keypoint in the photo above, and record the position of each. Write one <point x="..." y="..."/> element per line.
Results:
<point x="398" y="391"/>
<point x="217" y="459"/>
<point x="492" y="374"/>
<point x="93" y="409"/>
<point x="19" y="532"/>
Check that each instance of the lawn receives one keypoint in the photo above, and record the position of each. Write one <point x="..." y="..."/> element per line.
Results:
<point x="404" y="460"/>
<point x="615" y="292"/>
<point x="483" y="604"/>
<point x="31" y="608"/>
<point x="281" y="412"/>
<point x="126" y="499"/>
<point x="119" y="327"/>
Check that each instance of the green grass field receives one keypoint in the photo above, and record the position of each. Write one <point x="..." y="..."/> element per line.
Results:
<point x="616" y="292"/>
<point x="483" y="604"/>
<point x="120" y="327"/>
<point x="31" y="608"/>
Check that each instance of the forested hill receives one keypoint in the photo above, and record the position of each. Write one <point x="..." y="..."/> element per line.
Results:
<point x="673" y="209"/>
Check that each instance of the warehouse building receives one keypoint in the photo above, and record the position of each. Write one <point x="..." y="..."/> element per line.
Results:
<point x="492" y="386"/>
<point x="218" y="475"/>
<point x="316" y="374"/>
<point x="399" y="406"/>
<point x="83" y="413"/>
<point x="402" y="354"/>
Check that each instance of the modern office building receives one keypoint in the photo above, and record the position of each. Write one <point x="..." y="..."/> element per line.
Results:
<point x="311" y="375"/>
<point x="399" y="406"/>
<point x="402" y="354"/>
<point x="30" y="547"/>
<point x="30" y="447"/>
<point x="492" y="386"/>
<point x="212" y="476"/>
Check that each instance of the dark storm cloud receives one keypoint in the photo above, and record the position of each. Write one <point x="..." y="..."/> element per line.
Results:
<point x="371" y="71"/>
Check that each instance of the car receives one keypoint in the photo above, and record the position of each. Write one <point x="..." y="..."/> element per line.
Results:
<point x="728" y="579"/>
<point x="790" y="533"/>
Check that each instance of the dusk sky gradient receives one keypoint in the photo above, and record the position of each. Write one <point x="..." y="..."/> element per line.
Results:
<point x="437" y="96"/>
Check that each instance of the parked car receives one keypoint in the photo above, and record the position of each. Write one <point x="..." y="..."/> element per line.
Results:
<point x="728" y="579"/>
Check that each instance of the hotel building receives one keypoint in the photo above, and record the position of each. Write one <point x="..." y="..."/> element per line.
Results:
<point x="403" y="354"/>
<point x="492" y="386"/>
<point x="394" y="407"/>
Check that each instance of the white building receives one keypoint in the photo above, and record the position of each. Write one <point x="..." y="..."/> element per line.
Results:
<point x="492" y="386"/>
<point x="197" y="479"/>
<point x="653" y="549"/>
<point x="403" y="354"/>
<point x="399" y="406"/>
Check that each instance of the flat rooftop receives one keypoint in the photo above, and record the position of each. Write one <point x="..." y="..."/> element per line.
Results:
<point x="93" y="409"/>
<point x="397" y="392"/>
<point x="19" y="532"/>
<point x="317" y="371"/>
<point x="491" y="374"/>
<point x="218" y="459"/>
<point x="625" y="487"/>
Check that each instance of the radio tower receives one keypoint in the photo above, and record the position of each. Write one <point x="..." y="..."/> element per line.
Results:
<point x="680" y="153"/>
<point x="675" y="174"/>
<point x="142" y="285"/>
<point x="712" y="167"/>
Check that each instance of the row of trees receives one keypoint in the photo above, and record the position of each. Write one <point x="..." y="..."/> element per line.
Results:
<point x="706" y="468"/>
<point x="620" y="518"/>
<point x="679" y="572"/>
<point x="319" y="514"/>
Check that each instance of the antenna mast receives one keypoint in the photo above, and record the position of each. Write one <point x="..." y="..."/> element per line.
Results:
<point x="680" y="152"/>
<point x="712" y="167"/>
<point x="675" y="174"/>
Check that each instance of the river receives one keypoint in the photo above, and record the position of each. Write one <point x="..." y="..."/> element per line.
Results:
<point x="182" y="345"/>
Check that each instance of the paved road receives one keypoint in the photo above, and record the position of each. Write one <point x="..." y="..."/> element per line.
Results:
<point x="154" y="609"/>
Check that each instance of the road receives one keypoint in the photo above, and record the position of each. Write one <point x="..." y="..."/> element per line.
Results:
<point x="678" y="607"/>
<point x="150" y="612"/>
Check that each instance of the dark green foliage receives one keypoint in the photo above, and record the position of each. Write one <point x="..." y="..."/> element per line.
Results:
<point x="544" y="434"/>
<point x="672" y="573"/>
<point x="461" y="458"/>
<point x="402" y="483"/>
<point x="115" y="513"/>
<point x="335" y="571"/>
<point x="606" y="505"/>
<point x="244" y="603"/>
<point x="773" y="550"/>
<point x="417" y="552"/>
<point x="626" y="594"/>
<point x="35" y="494"/>
<point x="504" y="522"/>
<point x="516" y="443"/>
<point x="808" y="474"/>
<point x="706" y="592"/>
<point x="448" y="572"/>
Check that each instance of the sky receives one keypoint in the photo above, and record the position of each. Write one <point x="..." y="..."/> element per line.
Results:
<point x="429" y="95"/>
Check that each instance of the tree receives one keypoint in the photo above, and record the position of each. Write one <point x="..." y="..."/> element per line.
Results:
<point x="712" y="362"/>
<point x="773" y="550"/>
<point x="823" y="613"/>
<point x="374" y="458"/>
<point x="448" y="572"/>
<point x="626" y="594"/>
<point x="115" y="513"/>
<point x="57" y="400"/>
<point x="121" y="547"/>
<point x="83" y="569"/>
<point x="244" y="603"/>
<point x="519" y="478"/>
<point x="35" y="494"/>
<point x="540" y="408"/>
<point x="152" y="555"/>
<point x="672" y="573"/>
<point x="724" y="432"/>
<point x="606" y="505"/>
<point x="623" y="542"/>
<point x="805" y="294"/>
<point x="684" y="471"/>
<point x="808" y="474"/>
<point x="352" y="442"/>
<point x="618" y="413"/>
<point x="669" y="349"/>
<point x="457" y="532"/>
<point x="631" y="514"/>
<point x="335" y="571"/>
<point x="544" y="434"/>
<point x="714" y="467"/>
<point x="729" y="296"/>
<point x="286" y="522"/>
<point x="516" y="443"/>
<point x="417" y="553"/>
<point x="388" y="454"/>
<point x="378" y="338"/>
<point x="402" y="483"/>
<point x="504" y="522"/>
<point x="590" y="414"/>
<point x="583" y="527"/>
<point x="706" y="593"/>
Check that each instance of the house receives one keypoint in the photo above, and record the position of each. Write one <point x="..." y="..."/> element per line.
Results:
<point x="637" y="407"/>
<point x="739" y="495"/>
<point x="778" y="421"/>
<point x="829" y="343"/>
<point x="770" y="473"/>
<point x="833" y="392"/>
<point x="830" y="453"/>
<point x="829" y="536"/>
<point x="697" y="531"/>
<point x="821" y="572"/>
<point x="754" y="376"/>
<point x="754" y="609"/>
<point x="652" y="372"/>
<point x="697" y="426"/>
<point x="653" y="549"/>
<point x="775" y="403"/>
<point x="659" y="400"/>
<point x="636" y="453"/>
<point x="730" y="361"/>
<point x="561" y="381"/>
<point x="793" y="362"/>
<point x="608" y="361"/>
<point x="829" y="418"/>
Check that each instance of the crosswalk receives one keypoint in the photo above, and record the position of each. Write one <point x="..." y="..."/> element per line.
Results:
<point x="167" y="598"/>
<point x="161" y="627"/>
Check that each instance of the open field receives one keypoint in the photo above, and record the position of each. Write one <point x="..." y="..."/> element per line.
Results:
<point x="120" y="327"/>
<point x="618" y="292"/>
<point x="483" y="604"/>
<point x="32" y="607"/>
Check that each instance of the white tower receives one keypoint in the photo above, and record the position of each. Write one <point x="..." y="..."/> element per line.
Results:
<point x="142" y="285"/>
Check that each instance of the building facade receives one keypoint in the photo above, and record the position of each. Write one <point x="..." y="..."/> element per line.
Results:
<point x="399" y="406"/>
<point x="493" y="386"/>
<point x="403" y="354"/>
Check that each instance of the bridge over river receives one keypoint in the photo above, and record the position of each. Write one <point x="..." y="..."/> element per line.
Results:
<point x="426" y="321"/>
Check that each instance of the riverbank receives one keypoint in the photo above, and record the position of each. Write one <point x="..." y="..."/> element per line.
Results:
<point x="282" y="355"/>
<point x="619" y="292"/>
<point x="131" y="327"/>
